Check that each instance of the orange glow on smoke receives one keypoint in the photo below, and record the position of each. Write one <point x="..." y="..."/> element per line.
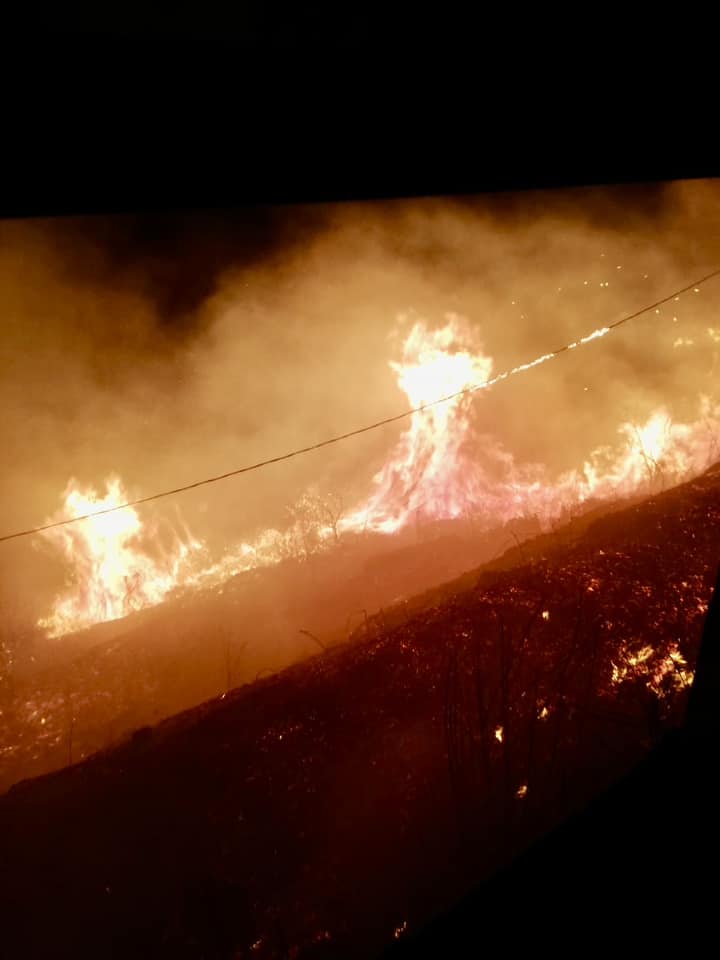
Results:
<point x="439" y="469"/>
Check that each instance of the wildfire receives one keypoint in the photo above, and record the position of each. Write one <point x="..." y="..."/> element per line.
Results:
<point x="426" y="475"/>
<point x="646" y="664"/>
<point x="439" y="469"/>
<point x="112" y="574"/>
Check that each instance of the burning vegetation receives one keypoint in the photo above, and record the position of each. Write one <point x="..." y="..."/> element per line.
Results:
<point x="355" y="794"/>
<point x="329" y="695"/>
<point x="440" y="469"/>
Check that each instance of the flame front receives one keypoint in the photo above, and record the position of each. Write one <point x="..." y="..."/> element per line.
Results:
<point x="439" y="469"/>
<point x="112" y="575"/>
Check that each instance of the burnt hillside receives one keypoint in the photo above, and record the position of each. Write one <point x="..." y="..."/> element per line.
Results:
<point x="335" y="807"/>
<point x="82" y="692"/>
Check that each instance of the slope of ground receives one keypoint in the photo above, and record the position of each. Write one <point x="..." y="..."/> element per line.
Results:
<point x="648" y="840"/>
<point x="336" y="806"/>
<point x="82" y="692"/>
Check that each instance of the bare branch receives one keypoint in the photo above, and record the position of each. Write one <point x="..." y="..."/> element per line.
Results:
<point x="313" y="637"/>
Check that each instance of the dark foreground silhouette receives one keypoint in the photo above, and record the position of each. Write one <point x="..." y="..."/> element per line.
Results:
<point x="334" y="809"/>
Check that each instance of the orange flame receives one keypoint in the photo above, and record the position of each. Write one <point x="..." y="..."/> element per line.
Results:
<point x="439" y="469"/>
<point x="112" y="574"/>
<point x="425" y="475"/>
<point x="653" y="667"/>
<point x="437" y="472"/>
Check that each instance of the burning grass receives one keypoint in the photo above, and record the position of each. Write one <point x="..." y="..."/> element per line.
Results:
<point x="332" y="808"/>
<point x="443" y="467"/>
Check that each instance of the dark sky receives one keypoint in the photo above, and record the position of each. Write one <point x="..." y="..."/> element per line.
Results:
<point x="175" y="259"/>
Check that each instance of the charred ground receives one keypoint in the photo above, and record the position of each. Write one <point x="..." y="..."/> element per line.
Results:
<point x="338" y="805"/>
<point x="82" y="692"/>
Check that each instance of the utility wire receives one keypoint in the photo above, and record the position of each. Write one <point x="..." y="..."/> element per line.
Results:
<point x="595" y="335"/>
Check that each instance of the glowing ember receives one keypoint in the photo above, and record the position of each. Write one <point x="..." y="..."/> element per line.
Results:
<point x="648" y="665"/>
<point x="521" y="791"/>
<point x="112" y="574"/>
<point x="499" y="734"/>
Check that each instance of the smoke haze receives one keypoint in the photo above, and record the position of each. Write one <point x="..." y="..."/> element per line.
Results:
<point x="167" y="349"/>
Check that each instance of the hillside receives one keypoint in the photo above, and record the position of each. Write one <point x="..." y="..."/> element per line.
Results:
<point x="82" y="692"/>
<point x="334" y="807"/>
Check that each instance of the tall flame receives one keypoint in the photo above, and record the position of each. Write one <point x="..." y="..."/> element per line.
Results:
<point x="440" y="468"/>
<point x="112" y="574"/>
<point x="425" y="475"/>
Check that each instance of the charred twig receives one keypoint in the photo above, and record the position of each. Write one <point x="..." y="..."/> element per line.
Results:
<point x="71" y="724"/>
<point x="562" y="678"/>
<point x="231" y="658"/>
<point x="519" y="545"/>
<point x="453" y="739"/>
<point x="505" y="667"/>
<point x="532" y="727"/>
<point x="483" y="724"/>
<point x="317" y="640"/>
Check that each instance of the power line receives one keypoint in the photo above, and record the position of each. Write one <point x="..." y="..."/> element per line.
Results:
<point x="595" y="335"/>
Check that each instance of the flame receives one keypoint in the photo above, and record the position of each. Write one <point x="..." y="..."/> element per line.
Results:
<point x="653" y="667"/>
<point x="439" y="469"/>
<point x="425" y="476"/>
<point x="112" y="574"/>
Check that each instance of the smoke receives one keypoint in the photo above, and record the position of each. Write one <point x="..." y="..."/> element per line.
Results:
<point x="167" y="349"/>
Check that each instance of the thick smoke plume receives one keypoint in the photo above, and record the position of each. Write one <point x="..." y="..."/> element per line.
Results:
<point x="164" y="350"/>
